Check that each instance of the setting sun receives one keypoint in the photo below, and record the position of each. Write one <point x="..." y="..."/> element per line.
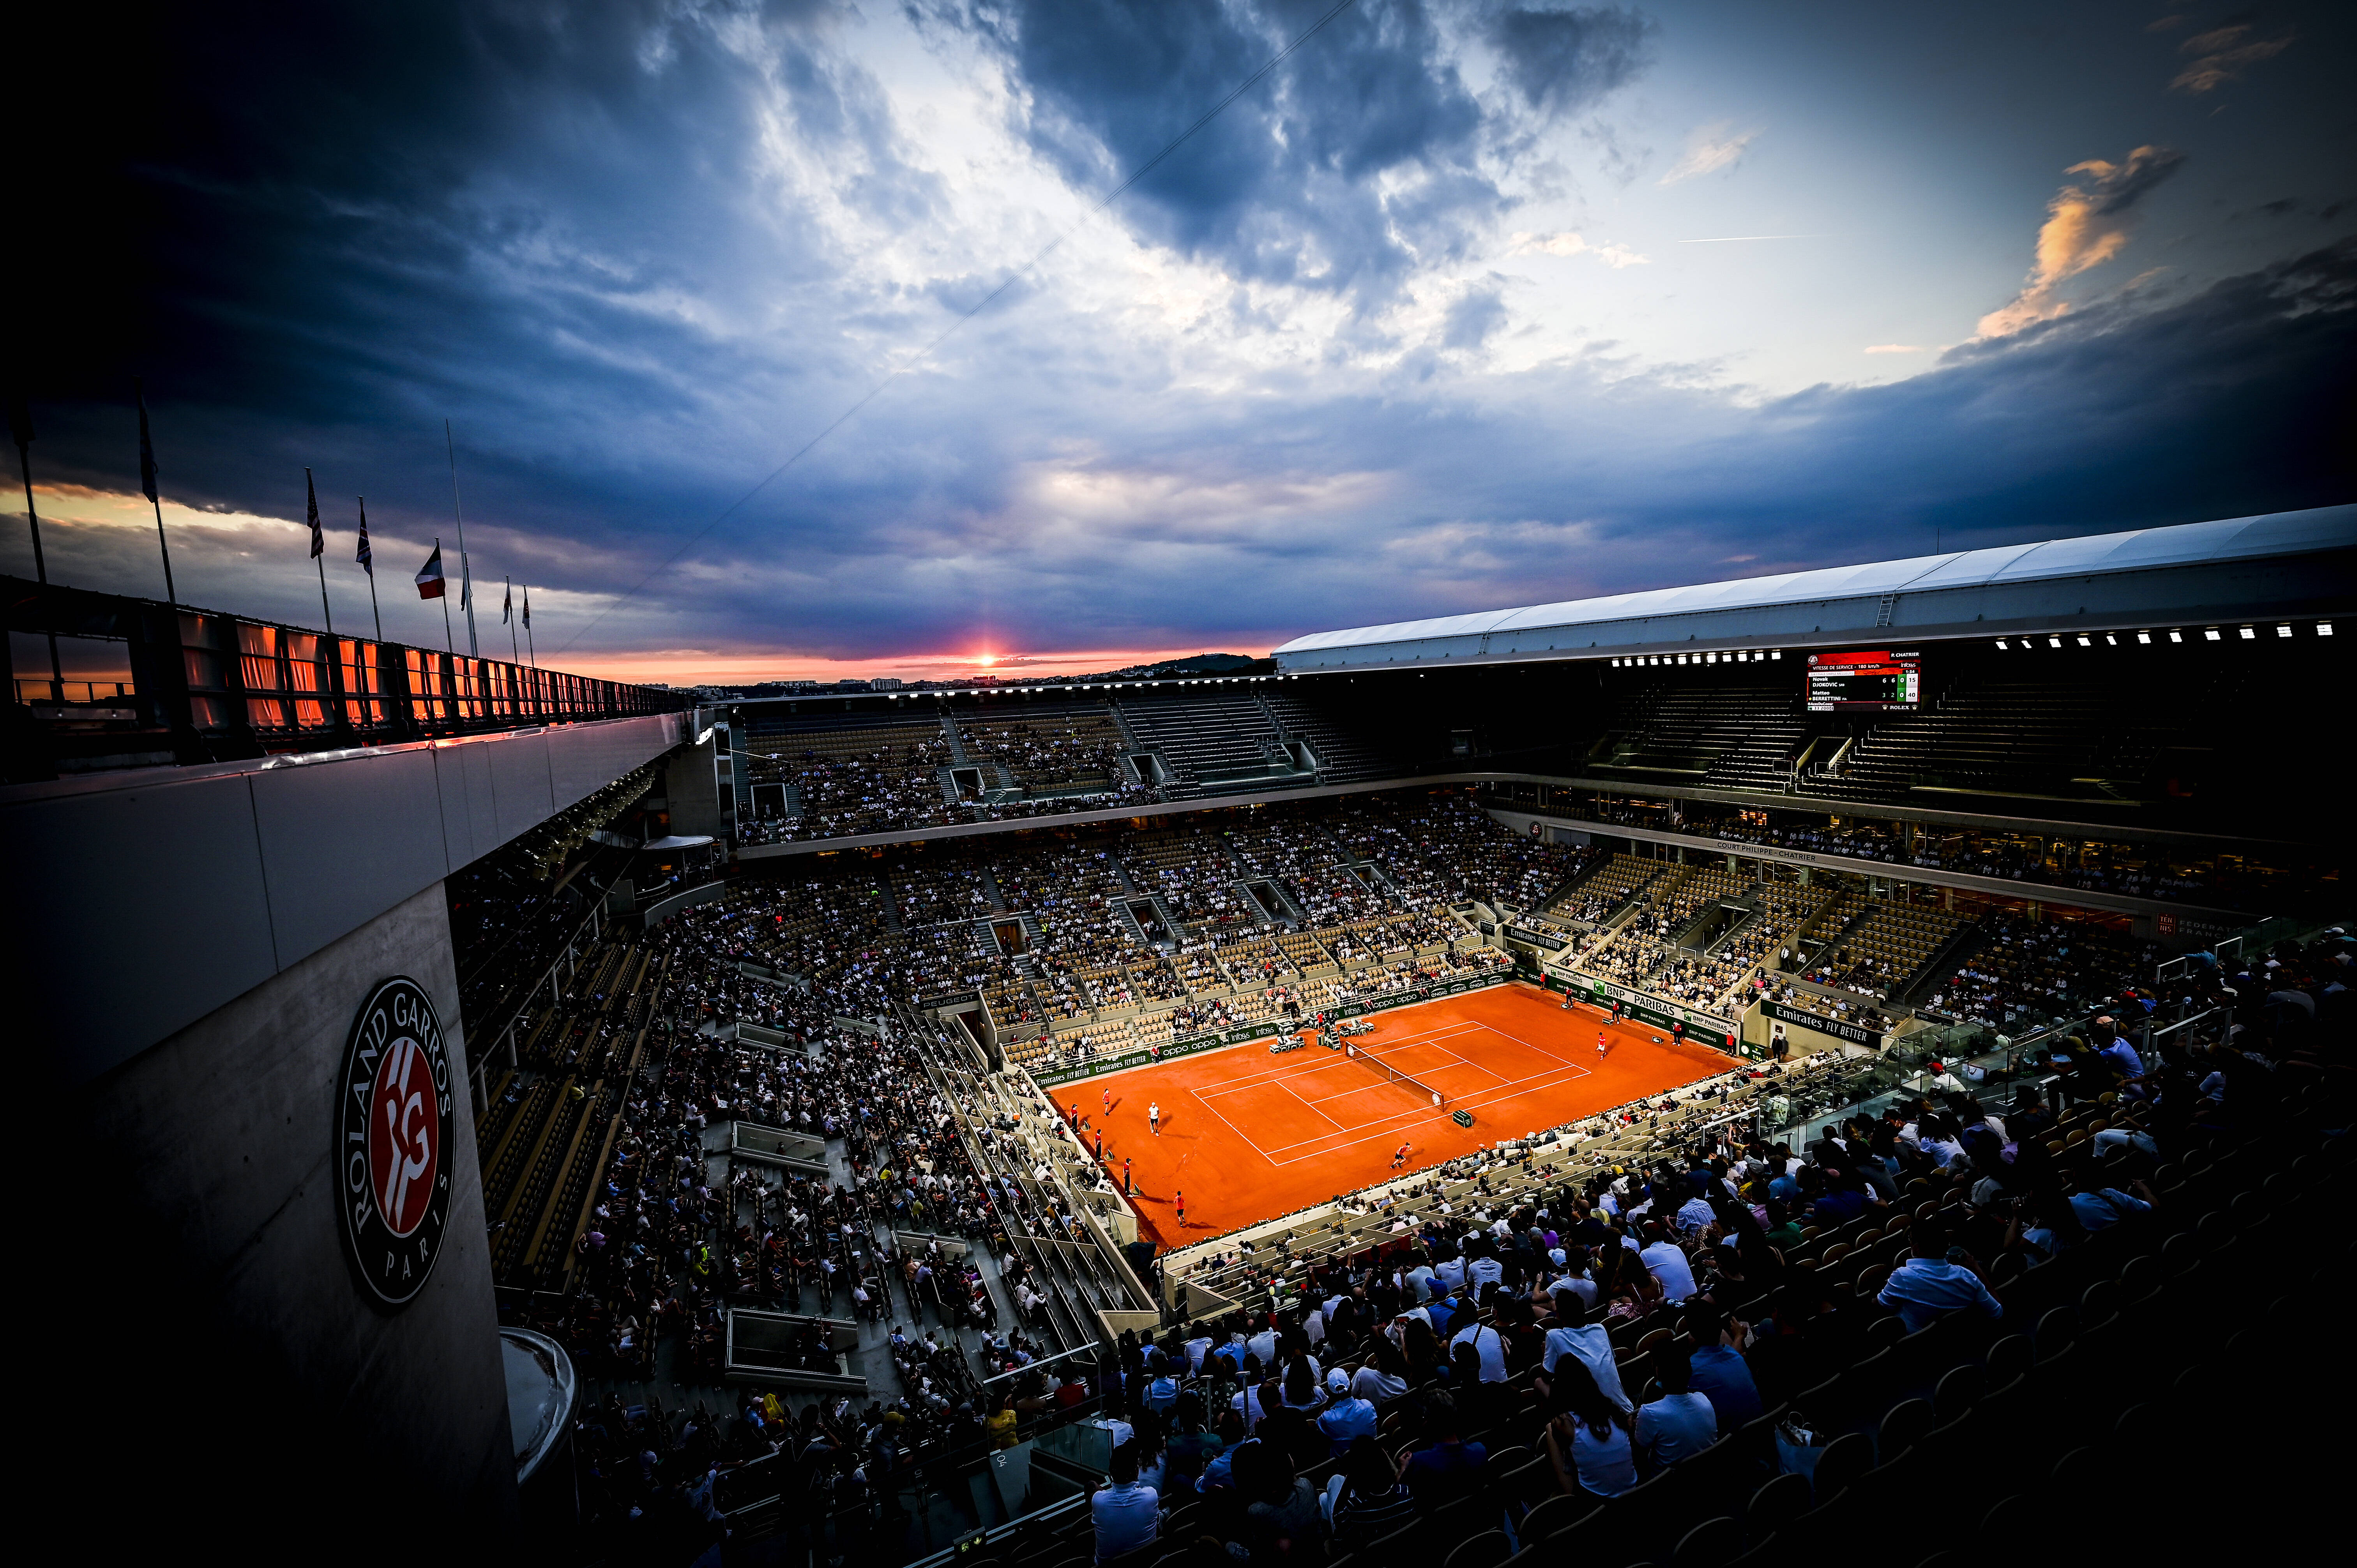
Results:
<point x="985" y="660"/>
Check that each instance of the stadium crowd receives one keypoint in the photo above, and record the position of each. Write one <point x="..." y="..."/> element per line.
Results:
<point x="1725" y="1338"/>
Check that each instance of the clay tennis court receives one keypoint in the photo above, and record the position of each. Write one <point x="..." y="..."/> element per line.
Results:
<point x="1247" y="1135"/>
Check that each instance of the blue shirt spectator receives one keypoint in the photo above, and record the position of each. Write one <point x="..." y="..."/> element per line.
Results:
<point x="1675" y="1426"/>
<point x="1127" y="1515"/>
<point x="1723" y="1377"/>
<point x="2106" y="1206"/>
<point x="1927" y="1287"/>
<point x="1346" y="1416"/>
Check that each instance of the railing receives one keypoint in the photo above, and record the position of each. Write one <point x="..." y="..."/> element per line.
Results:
<point x="93" y="693"/>
<point x="207" y="686"/>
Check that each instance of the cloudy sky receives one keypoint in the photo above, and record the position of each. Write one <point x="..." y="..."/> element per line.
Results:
<point x="820" y="338"/>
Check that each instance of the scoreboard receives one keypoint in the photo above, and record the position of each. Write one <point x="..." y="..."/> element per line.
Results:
<point x="1876" y="680"/>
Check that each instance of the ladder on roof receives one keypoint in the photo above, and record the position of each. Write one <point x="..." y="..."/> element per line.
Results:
<point x="1882" y="613"/>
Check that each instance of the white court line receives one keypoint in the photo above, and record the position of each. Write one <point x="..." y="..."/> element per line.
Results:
<point x="1504" y="1090"/>
<point x="1232" y="1127"/>
<point x="1315" y="1065"/>
<point x="1311" y="1106"/>
<point x="1477" y="1100"/>
<point x="1508" y="1091"/>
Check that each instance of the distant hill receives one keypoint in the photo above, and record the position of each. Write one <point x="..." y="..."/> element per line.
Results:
<point x="1193" y="664"/>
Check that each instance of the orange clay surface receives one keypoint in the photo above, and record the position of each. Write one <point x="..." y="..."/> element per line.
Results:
<point x="1247" y="1135"/>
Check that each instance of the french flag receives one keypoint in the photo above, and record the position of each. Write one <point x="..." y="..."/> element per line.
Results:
<point x="429" y="576"/>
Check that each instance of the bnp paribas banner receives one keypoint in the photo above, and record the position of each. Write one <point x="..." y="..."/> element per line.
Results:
<point x="1238" y="1034"/>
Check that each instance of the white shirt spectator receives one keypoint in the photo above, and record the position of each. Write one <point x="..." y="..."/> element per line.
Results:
<point x="1669" y="1265"/>
<point x="1606" y="1465"/>
<point x="1486" y="1340"/>
<point x="1579" y="1285"/>
<point x="1591" y="1346"/>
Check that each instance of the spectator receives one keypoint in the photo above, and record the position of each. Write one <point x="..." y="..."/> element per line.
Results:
<point x="1447" y="1467"/>
<point x="1681" y="1423"/>
<point x="1127" y="1515"/>
<point x="1574" y="1339"/>
<point x="1929" y="1285"/>
<point x="1588" y="1439"/>
<point x="1347" y="1417"/>
<point x="1667" y="1263"/>
<point x="1717" y="1370"/>
<point x="1369" y="1499"/>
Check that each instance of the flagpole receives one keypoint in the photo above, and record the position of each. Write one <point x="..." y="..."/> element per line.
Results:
<point x="528" y="647"/>
<point x="506" y="606"/>
<point x="447" y="640"/>
<point x="319" y="556"/>
<point x="466" y="576"/>
<point x="147" y="483"/>
<point x="368" y="563"/>
<point x="20" y="424"/>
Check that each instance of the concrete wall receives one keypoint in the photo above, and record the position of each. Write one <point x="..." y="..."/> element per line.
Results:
<point x="160" y="895"/>
<point x="214" y="1149"/>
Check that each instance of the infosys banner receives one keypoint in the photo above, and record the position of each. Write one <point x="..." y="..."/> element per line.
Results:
<point x="1238" y="1034"/>
<point x="1870" y="1038"/>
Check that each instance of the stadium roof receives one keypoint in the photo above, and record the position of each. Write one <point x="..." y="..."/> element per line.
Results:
<point x="2244" y="569"/>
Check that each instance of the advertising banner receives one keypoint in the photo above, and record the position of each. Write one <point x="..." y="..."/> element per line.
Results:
<point x="1872" y="1039"/>
<point x="1238" y="1034"/>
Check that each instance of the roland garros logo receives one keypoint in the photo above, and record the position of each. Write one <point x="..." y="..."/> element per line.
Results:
<point x="392" y="1142"/>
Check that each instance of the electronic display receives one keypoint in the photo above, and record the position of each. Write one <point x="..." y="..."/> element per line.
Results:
<point x="1874" y="681"/>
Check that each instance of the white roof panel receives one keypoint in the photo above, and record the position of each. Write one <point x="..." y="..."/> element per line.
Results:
<point x="2192" y="543"/>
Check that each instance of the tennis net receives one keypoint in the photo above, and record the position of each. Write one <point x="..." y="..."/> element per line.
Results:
<point x="1439" y="1100"/>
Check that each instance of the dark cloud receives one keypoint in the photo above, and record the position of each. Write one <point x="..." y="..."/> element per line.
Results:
<point x="1565" y="61"/>
<point x="319" y="232"/>
<point x="1282" y="185"/>
<point x="1357" y="157"/>
<point x="2116" y="187"/>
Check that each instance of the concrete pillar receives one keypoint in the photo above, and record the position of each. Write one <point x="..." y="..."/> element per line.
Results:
<point x="219" y="1148"/>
